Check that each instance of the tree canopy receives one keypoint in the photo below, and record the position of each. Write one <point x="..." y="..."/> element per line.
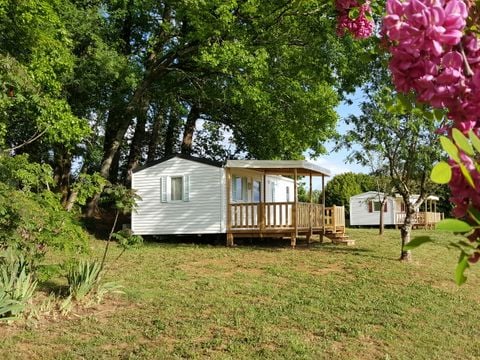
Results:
<point x="343" y="186"/>
<point x="109" y="85"/>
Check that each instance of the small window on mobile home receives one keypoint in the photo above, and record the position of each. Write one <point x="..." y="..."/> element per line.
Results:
<point x="239" y="188"/>
<point x="176" y="188"/>
<point x="256" y="191"/>
<point x="375" y="206"/>
<point x="288" y="193"/>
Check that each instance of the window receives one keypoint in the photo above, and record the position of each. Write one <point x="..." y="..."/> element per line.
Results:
<point x="239" y="188"/>
<point x="176" y="188"/>
<point x="257" y="193"/>
<point x="288" y="193"/>
<point x="375" y="206"/>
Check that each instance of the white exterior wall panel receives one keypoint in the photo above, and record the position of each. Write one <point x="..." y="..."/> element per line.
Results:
<point x="204" y="213"/>
<point x="359" y="214"/>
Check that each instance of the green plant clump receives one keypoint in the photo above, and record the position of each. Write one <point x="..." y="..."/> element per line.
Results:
<point x="32" y="222"/>
<point x="82" y="278"/>
<point x="17" y="284"/>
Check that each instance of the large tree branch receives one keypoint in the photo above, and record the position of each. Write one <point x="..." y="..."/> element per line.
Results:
<point x="34" y="137"/>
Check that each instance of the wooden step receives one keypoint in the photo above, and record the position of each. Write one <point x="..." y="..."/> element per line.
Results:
<point x="341" y="239"/>
<point x="348" y="242"/>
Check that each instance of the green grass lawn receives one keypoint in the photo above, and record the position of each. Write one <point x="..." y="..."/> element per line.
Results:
<point x="326" y="301"/>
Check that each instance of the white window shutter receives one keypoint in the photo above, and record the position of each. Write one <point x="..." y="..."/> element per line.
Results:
<point x="186" y="188"/>
<point x="163" y="189"/>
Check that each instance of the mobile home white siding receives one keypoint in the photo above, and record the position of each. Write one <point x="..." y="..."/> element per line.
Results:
<point x="278" y="187"/>
<point x="359" y="210"/>
<point x="203" y="213"/>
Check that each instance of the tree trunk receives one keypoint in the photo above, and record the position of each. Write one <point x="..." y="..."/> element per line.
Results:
<point x="115" y="168"/>
<point x="171" y="134"/>
<point x="71" y="200"/>
<point x="382" y="216"/>
<point x="63" y="166"/>
<point x="405" y="231"/>
<point x="381" y="226"/>
<point x="189" y="129"/>
<point x="136" y="147"/>
<point x="138" y="99"/>
<point x="155" y="137"/>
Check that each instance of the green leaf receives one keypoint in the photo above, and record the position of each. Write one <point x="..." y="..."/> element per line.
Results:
<point x="441" y="173"/>
<point x="420" y="240"/>
<point x="474" y="214"/>
<point x="354" y="13"/>
<point x="450" y="148"/>
<point x="406" y="102"/>
<point x="475" y="140"/>
<point x="453" y="225"/>
<point x="462" y="265"/>
<point x="439" y="114"/>
<point x="462" y="142"/>
<point x="466" y="175"/>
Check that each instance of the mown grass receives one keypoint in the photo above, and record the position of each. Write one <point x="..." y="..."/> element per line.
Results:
<point x="325" y="302"/>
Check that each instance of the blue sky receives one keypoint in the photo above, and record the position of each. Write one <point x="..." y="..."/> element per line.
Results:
<point x="336" y="162"/>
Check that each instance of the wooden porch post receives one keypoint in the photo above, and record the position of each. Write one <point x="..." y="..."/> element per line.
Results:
<point x="263" y="200"/>
<point x="334" y="220"/>
<point x="310" y="209"/>
<point x="322" y="233"/>
<point x="427" y="218"/>
<point x="293" y="240"/>
<point x="229" y="210"/>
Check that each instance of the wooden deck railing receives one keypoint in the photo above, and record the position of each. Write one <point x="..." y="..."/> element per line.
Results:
<point x="281" y="215"/>
<point x="420" y="218"/>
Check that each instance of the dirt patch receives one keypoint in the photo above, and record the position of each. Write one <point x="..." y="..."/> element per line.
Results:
<point x="41" y="319"/>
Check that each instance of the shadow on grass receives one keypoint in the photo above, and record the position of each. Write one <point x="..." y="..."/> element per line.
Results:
<point x="262" y="244"/>
<point x="48" y="287"/>
<point x="339" y="249"/>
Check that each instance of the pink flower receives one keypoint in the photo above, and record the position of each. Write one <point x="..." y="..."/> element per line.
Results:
<point x="346" y="4"/>
<point x="425" y="25"/>
<point x="463" y="194"/>
<point x="361" y="27"/>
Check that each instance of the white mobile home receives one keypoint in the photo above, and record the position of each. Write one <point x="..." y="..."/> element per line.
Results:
<point x="187" y="195"/>
<point x="365" y="210"/>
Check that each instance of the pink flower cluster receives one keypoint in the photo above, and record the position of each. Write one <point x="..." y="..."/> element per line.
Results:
<point x="463" y="194"/>
<point x="432" y="55"/>
<point x="361" y="27"/>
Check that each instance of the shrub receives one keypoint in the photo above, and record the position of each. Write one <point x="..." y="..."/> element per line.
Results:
<point x="127" y="240"/>
<point x="18" y="172"/>
<point x="32" y="222"/>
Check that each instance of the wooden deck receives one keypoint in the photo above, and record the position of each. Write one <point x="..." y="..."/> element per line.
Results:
<point x="284" y="219"/>
<point x="424" y="219"/>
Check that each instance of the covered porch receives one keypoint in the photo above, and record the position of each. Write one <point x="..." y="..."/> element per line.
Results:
<point x="291" y="218"/>
<point x="426" y="217"/>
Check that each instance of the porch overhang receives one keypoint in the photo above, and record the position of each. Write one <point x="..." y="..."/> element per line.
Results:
<point x="280" y="167"/>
